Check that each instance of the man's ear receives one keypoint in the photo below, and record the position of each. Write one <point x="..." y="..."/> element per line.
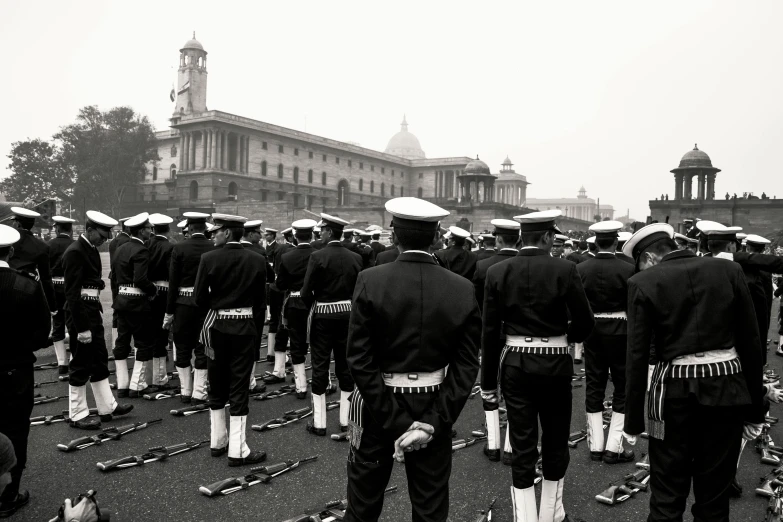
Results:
<point x="10" y="253"/>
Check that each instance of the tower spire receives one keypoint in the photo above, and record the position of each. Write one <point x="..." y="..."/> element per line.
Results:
<point x="404" y="124"/>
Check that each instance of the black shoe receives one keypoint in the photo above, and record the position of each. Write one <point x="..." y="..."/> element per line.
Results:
<point x="321" y="432"/>
<point x="611" y="457"/>
<point x="301" y="395"/>
<point x="123" y="393"/>
<point x="185" y="399"/>
<point x="453" y="433"/>
<point x="597" y="456"/>
<point x="87" y="423"/>
<point x="195" y="401"/>
<point x="506" y="458"/>
<point x="158" y="388"/>
<point x="9" y="507"/>
<point x="254" y="457"/>
<point x="330" y="389"/>
<point x="258" y="388"/>
<point x="62" y="370"/>
<point x="343" y="428"/>
<point x="273" y="379"/>
<point x="121" y="409"/>
<point x="493" y="455"/>
<point x="270" y="359"/>
<point x="735" y="489"/>
<point x="139" y="394"/>
<point x="219" y="452"/>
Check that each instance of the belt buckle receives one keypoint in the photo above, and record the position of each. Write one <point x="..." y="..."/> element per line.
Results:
<point x="545" y="339"/>
<point x="386" y="375"/>
<point x="528" y="339"/>
<point x="700" y="354"/>
<point x="413" y="376"/>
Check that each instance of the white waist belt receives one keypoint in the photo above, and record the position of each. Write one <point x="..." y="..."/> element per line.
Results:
<point x="414" y="382"/>
<point x="58" y="280"/>
<point x="186" y="291"/>
<point x="333" y="307"/>
<point x="611" y="315"/>
<point x="558" y="341"/>
<point x="130" y="290"/>
<point x="295" y="294"/>
<point x="161" y="284"/>
<point x="89" y="292"/>
<point x="235" y="313"/>
<point x="711" y="356"/>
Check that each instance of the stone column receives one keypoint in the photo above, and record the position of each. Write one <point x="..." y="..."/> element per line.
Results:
<point x="700" y="190"/>
<point x="214" y="149"/>
<point x="181" y="151"/>
<point x="185" y="154"/>
<point x="688" y="187"/>
<point x="247" y="154"/>
<point x="222" y="151"/>
<point x="710" y="186"/>
<point x="678" y="186"/>
<point x="192" y="162"/>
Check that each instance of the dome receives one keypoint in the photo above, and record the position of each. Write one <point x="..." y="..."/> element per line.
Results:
<point x="695" y="158"/>
<point x="404" y="144"/>
<point x="507" y="161"/>
<point x="476" y="166"/>
<point x="193" y="44"/>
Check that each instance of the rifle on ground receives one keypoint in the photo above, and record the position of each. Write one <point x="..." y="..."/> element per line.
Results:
<point x="775" y="507"/>
<point x="624" y="488"/>
<point x="234" y="484"/>
<point x="274" y="394"/>
<point x="45" y="420"/>
<point x="464" y="443"/>
<point x="114" y="433"/>
<point x="287" y="418"/>
<point x="340" y="437"/>
<point x="486" y="516"/>
<point x="44" y="399"/>
<point x="576" y="437"/>
<point x="152" y="455"/>
<point x="644" y="463"/>
<point x="162" y="395"/>
<point x="770" y="454"/>
<point x="334" y="510"/>
<point x="770" y="483"/>
<point x="190" y="410"/>
<point x="44" y="383"/>
<point x="46" y="366"/>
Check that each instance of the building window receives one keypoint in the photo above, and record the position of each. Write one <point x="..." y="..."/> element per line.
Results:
<point x="402" y="174"/>
<point x="154" y="196"/>
<point x="154" y="173"/>
<point x="263" y="145"/>
<point x="296" y="175"/>
<point x="310" y="176"/>
<point x="296" y="152"/>
<point x="324" y="157"/>
<point x="372" y="186"/>
<point x="402" y="191"/>
<point x="280" y="171"/>
<point x="193" y="190"/>
<point x="263" y="168"/>
<point x="263" y="195"/>
<point x="350" y="163"/>
<point x="342" y="193"/>
<point x="280" y="149"/>
<point x="392" y="190"/>
<point x="232" y="190"/>
<point x="296" y="200"/>
<point x="309" y="202"/>
<point x="372" y="168"/>
<point x="173" y="151"/>
<point x="323" y="178"/>
<point x="141" y="196"/>
<point x="421" y="175"/>
<point x="310" y="154"/>
<point x="172" y="171"/>
<point x="337" y="160"/>
<point x="383" y="189"/>
<point x="383" y="171"/>
<point x="361" y="166"/>
<point x="280" y="196"/>
<point x="420" y="193"/>
<point x="361" y="184"/>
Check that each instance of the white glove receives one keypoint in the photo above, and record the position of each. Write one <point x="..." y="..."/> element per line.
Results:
<point x="84" y="337"/>
<point x="751" y="431"/>
<point x="631" y="439"/>
<point x="490" y="396"/>
<point x="168" y="319"/>
<point x="417" y="437"/>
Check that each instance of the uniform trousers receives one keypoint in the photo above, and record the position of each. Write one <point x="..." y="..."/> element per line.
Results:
<point x="16" y="395"/>
<point x="329" y="334"/>
<point x="137" y="327"/>
<point x="427" y="470"/>
<point x="229" y="372"/>
<point x="702" y="444"/>
<point x="90" y="362"/>
<point x="530" y="399"/>
<point x="297" y="329"/>
<point x="602" y="354"/>
<point x="58" y="320"/>
<point x="185" y="331"/>
<point x="160" y="336"/>
<point x="275" y="309"/>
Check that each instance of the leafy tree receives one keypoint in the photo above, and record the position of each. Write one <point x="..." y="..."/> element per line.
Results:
<point x="38" y="172"/>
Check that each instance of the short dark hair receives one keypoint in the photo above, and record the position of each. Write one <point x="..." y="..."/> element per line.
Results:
<point x="304" y="235"/>
<point x="25" y="223"/>
<point x="346" y="234"/>
<point x="236" y="233"/>
<point x="718" y="245"/>
<point x="411" y="239"/>
<point x="508" y="239"/>
<point x="489" y="241"/>
<point x="754" y="248"/>
<point x="605" y="243"/>
<point x="662" y="247"/>
<point x="533" y="238"/>
<point x="198" y="228"/>
<point x="161" y="229"/>
<point x="459" y="241"/>
<point x="583" y="245"/>
<point x="65" y="227"/>
<point x="4" y="251"/>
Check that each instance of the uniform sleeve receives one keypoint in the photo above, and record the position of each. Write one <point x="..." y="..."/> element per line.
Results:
<point x="40" y="320"/>
<point x="462" y="371"/>
<point x="201" y="286"/>
<point x="308" y="292"/>
<point x="747" y="343"/>
<point x="175" y="276"/>
<point x="764" y="262"/>
<point x="582" y="320"/>
<point x="360" y="355"/>
<point x="45" y="273"/>
<point x="283" y="281"/>
<point x="491" y="331"/>
<point x="141" y="263"/>
<point x="478" y="288"/>
<point x="73" y="274"/>
<point x="637" y="357"/>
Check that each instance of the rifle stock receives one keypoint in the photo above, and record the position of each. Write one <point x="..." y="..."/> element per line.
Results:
<point x="624" y="488"/>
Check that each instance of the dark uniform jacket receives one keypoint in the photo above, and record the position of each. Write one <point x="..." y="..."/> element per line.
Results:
<point x="627" y="259"/>
<point x="160" y="258"/>
<point x="377" y="247"/>
<point x="532" y="294"/>
<point x="317" y="244"/>
<point x="480" y="276"/>
<point x="331" y="274"/>
<point x="485" y="253"/>
<point x="605" y="280"/>
<point x="292" y="272"/>
<point x="57" y="248"/>
<point x="279" y="251"/>
<point x="119" y="240"/>
<point x="255" y="247"/>
<point x="412" y="316"/>
<point x="691" y="304"/>
<point x="183" y="266"/>
<point x="231" y="277"/>
<point x="575" y="257"/>
<point x="271" y="248"/>
<point x="387" y="256"/>
<point x="24" y="318"/>
<point x="131" y="268"/>
<point x="458" y="260"/>
<point x="350" y="245"/>
<point x="31" y="255"/>
<point x="82" y="269"/>
<point x="367" y="254"/>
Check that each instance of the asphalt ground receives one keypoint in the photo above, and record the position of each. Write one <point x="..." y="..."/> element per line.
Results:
<point x="163" y="491"/>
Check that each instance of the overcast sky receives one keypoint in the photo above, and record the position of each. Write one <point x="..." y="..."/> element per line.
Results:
<point x="608" y="95"/>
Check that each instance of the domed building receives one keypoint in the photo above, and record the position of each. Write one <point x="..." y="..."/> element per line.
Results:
<point x="405" y="144"/>
<point x="695" y="164"/>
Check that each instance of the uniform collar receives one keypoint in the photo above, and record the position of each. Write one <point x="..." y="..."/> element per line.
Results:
<point x="233" y="244"/>
<point x="677" y="254"/>
<point x="244" y="242"/>
<point x="335" y="243"/>
<point x="197" y="234"/>
<point x="532" y="251"/>
<point x="416" y="256"/>
<point x="161" y="237"/>
<point x="86" y="240"/>
<point x="64" y="235"/>
<point x="137" y="239"/>
<point x="125" y="233"/>
<point x="507" y="252"/>
<point x="304" y="245"/>
<point x="605" y="254"/>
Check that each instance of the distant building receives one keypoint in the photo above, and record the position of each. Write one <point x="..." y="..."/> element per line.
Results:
<point x="580" y="207"/>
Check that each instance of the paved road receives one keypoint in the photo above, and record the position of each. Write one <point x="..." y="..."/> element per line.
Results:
<point x="169" y="490"/>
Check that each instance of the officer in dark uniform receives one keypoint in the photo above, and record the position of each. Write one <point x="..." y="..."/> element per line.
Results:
<point x="120" y="239"/>
<point x="398" y="350"/>
<point x="57" y="247"/>
<point x="348" y="241"/>
<point x="576" y="256"/>
<point x="375" y="242"/>
<point x="487" y="247"/>
<point x="367" y="253"/>
<point x="230" y="285"/>
<point x="293" y="268"/>
<point x="277" y="336"/>
<point x="134" y="310"/>
<point x="183" y="317"/>
<point x="160" y="248"/>
<point x="605" y="280"/>
<point x="707" y="383"/>
<point x="389" y="255"/>
<point x="455" y="257"/>
<point x="317" y="243"/>
<point x="270" y="236"/>
<point x="622" y="237"/>
<point x="756" y="244"/>
<point x="31" y="255"/>
<point x="506" y="238"/>
<point x="327" y="290"/>
<point x="25" y="321"/>
<point x="83" y="317"/>
<point x="528" y="302"/>
<point x="250" y="240"/>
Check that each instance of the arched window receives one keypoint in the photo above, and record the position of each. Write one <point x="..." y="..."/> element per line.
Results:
<point x="280" y="171"/>
<point x="263" y="168"/>
<point x="383" y="189"/>
<point x="420" y="193"/>
<point x="232" y="189"/>
<point x="323" y="178"/>
<point x="310" y="176"/>
<point x="193" y="190"/>
<point x="342" y="193"/>
<point x="361" y="184"/>
<point x="372" y="186"/>
<point x="296" y="174"/>
<point x="173" y="171"/>
<point x="154" y="173"/>
<point x="392" y="190"/>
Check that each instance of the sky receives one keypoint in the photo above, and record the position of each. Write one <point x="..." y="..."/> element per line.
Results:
<point x="605" y="94"/>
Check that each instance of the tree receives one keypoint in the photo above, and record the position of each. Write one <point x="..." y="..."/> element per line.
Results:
<point x="38" y="172"/>
<point x="108" y="152"/>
